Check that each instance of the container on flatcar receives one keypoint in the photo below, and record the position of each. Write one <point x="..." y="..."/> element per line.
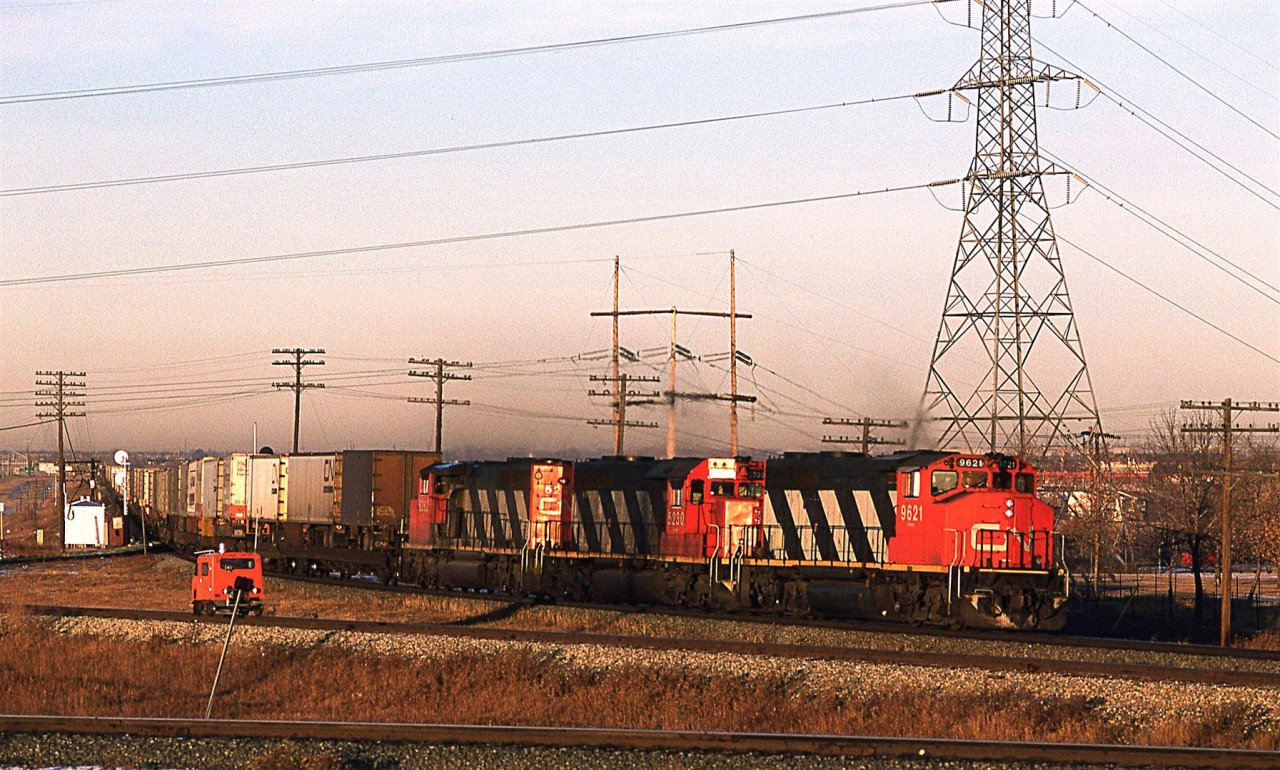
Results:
<point x="307" y="488"/>
<point x="264" y="488"/>
<point x="237" y="483"/>
<point x="374" y="487"/>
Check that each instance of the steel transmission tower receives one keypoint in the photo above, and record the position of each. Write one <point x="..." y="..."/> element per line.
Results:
<point x="1008" y="371"/>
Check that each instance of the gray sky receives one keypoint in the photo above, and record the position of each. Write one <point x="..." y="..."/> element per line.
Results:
<point x="845" y="294"/>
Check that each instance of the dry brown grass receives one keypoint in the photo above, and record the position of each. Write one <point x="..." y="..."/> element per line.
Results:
<point x="1263" y="640"/>
<point x="42" y="671"/>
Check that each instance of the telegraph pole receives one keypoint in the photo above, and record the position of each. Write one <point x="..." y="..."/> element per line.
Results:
<point x="298" y="362"/>
<point x="621" y="395"/>
<point x="63" y="388"/>
<point x="1228" y="409"/>
<point x="440" y="375"/>
<point x="867" y="440"/>
<point x="673" y="351"/>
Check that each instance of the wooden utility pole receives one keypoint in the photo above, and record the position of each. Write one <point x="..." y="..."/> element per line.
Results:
<point x="867" y="440"/>
<point x="733" y="355"/>
<point x="62" y="387"/>
<point x="440" y="375"/>
<point x="1228" y="409"/>
<point x="299" y="361"/>
<point x="621" y="395"/>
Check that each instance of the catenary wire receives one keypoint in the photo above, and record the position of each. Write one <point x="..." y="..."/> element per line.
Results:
<point x="444" y="59"/>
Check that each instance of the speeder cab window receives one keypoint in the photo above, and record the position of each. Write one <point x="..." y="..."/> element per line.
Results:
<point x="943" y="482"/>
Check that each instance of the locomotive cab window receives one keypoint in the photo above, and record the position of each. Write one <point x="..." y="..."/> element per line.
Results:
<point x="695" y="492"/>
<point x="974" y="479"/>
<point x="913" y="485"/>
<point x="1025" y="483"/>
<point x="1003" y="480"/>
<point x="753" y="489"/>
<point x="722" y="488"/>
<point x="204" y="569"/>
<point x="943" y="482"/>
<point x="677" y="494"/>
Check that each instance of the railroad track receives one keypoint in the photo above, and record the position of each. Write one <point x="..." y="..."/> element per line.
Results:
<point x="998" y="663"/>
<point x="651" y="740"/>
<point x="97" y="553"/>
<point x="1046" y="639"/>
<point x="1015" y="637"/>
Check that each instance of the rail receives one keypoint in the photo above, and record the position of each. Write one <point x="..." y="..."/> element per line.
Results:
<point x="640" y="739"/>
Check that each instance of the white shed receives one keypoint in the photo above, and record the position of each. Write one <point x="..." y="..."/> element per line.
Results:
<point x="85" y="523"/>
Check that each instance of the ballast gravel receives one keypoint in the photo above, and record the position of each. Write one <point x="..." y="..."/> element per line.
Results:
<point x="32" y="751"/>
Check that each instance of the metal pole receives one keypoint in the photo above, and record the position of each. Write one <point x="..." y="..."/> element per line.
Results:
<point x="235" y="610"/>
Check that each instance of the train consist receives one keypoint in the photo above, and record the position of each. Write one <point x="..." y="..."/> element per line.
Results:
<point x="921" y="537"/>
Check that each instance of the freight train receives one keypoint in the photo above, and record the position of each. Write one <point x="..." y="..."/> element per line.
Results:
<point x="917" y="536"/>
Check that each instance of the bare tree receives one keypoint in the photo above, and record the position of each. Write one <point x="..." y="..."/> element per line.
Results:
<point x="1257" y="502"/>
<point x="1183" y="492"/>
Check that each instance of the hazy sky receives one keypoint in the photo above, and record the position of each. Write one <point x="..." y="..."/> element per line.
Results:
<point x="845" y="294"/>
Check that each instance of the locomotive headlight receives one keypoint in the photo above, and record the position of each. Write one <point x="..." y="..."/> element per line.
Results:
<point x="1008" y="508"/>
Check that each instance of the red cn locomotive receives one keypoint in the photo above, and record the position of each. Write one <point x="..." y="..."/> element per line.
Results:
<point x="915" y="536"/>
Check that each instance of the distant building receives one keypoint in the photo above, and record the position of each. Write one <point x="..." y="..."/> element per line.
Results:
<point x="86" y="525"/>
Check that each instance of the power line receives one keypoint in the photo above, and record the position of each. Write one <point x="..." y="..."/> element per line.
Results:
<point x="348" y="69"/>
<point x="1216" y="34"/>
<point x="1179" y="72"/>
<point x="208" y="264"/>
<point x="1157" y="294"/>
<point x="1196" y="53"/>
<point x="351" y="159"/>
<point x="1169" y="231"/>
<point x="1129" y="106"/>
